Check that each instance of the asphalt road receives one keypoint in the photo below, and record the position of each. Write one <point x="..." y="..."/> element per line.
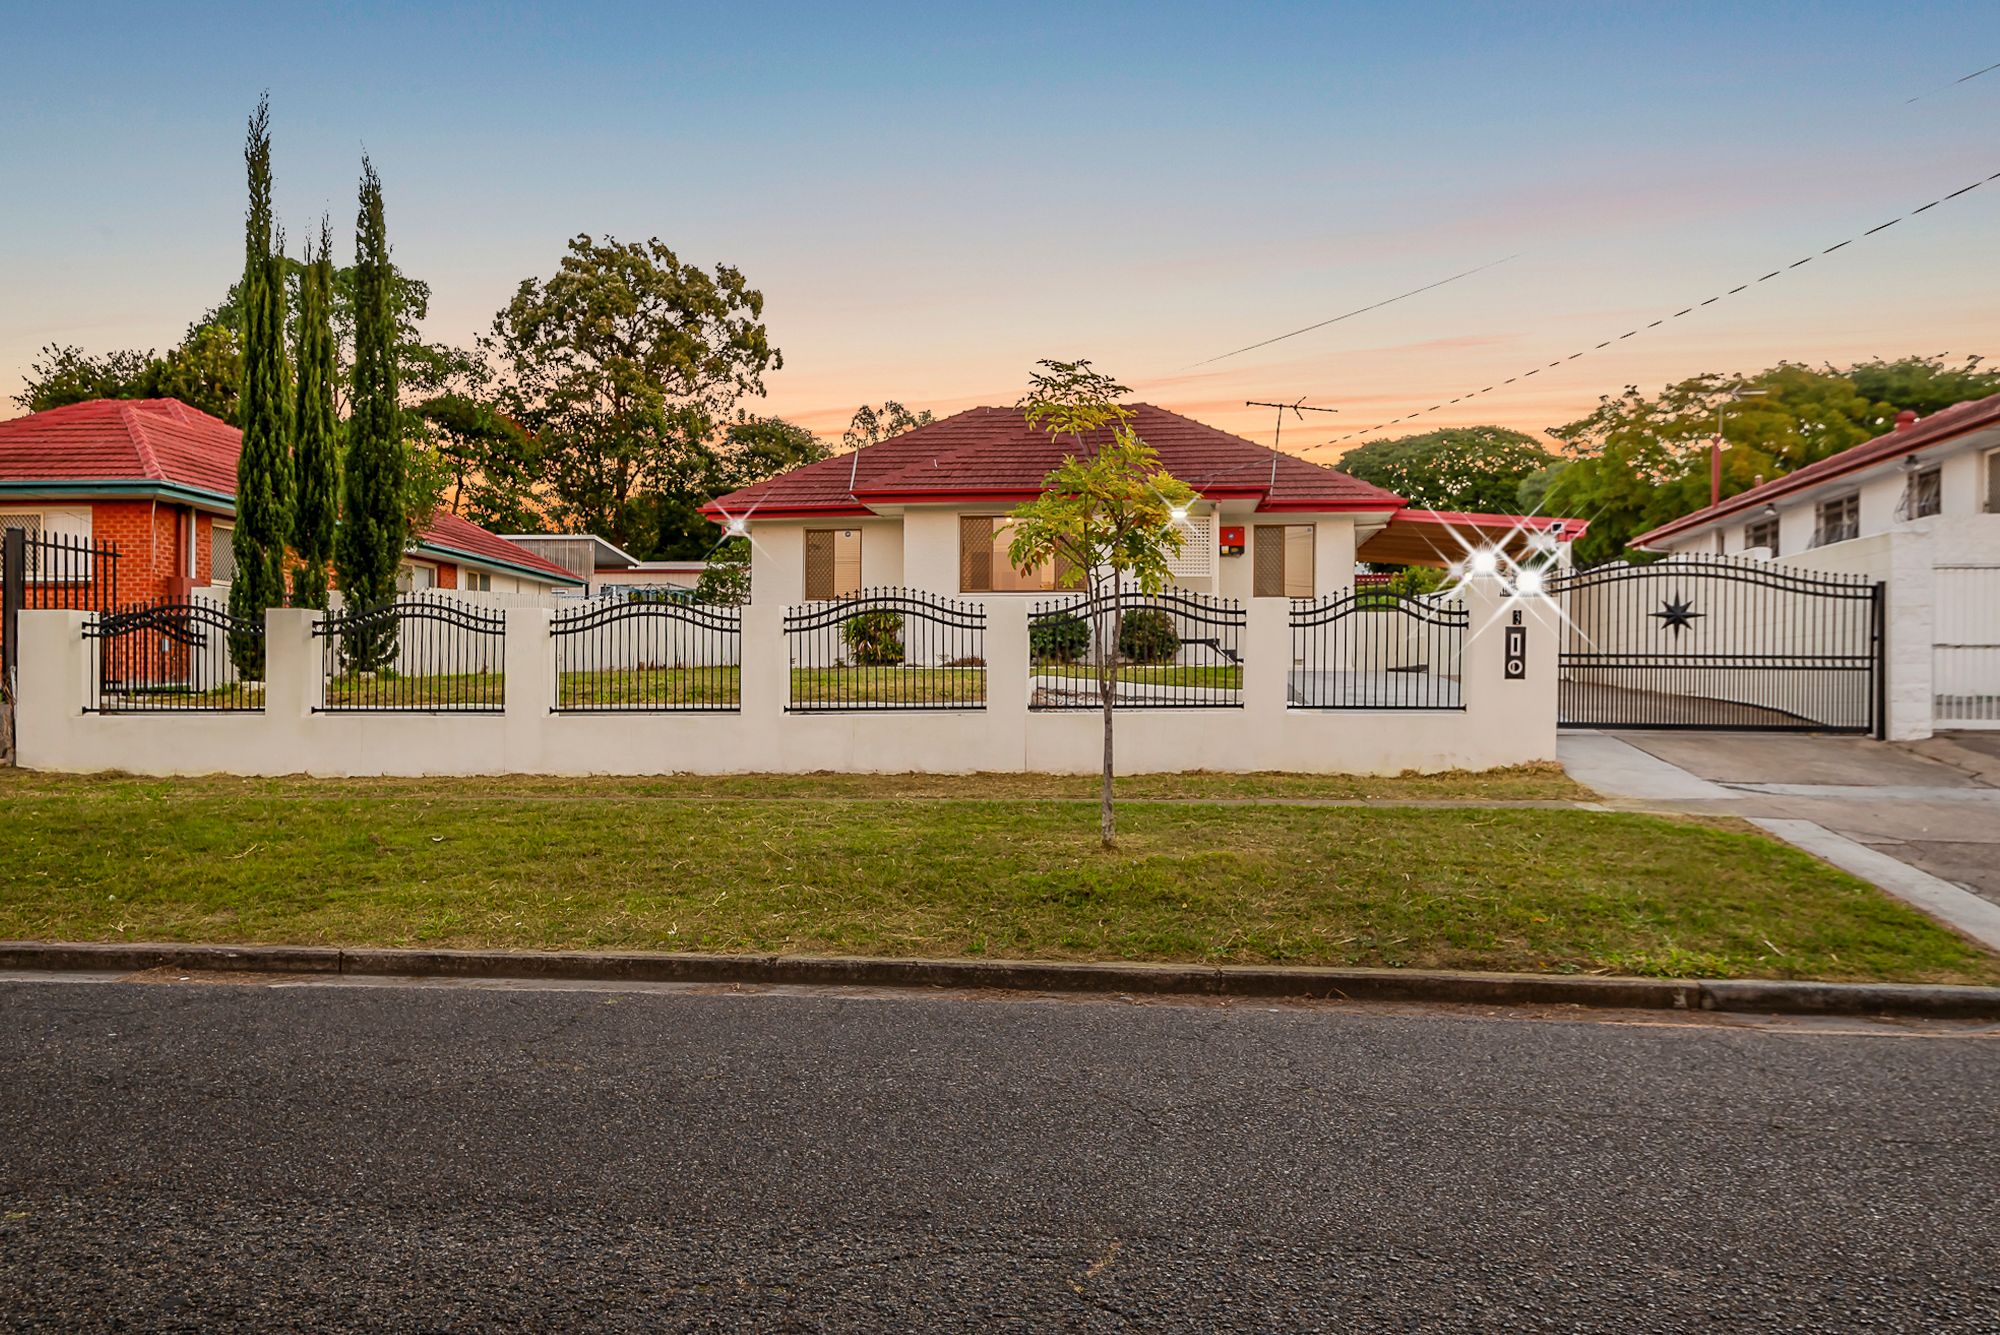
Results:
<point x="436" y="1158"/>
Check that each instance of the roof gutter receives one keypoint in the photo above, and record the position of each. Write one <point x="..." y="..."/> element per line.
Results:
<point x="60" y="489"/>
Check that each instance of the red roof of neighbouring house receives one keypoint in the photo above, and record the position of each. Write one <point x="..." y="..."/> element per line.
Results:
<point x="993" y="454"/>
<point x="122" y="440"/>
<point x="1947" y="424"/>
<point x="448" y="532"/>
<point x="165" y="445"/>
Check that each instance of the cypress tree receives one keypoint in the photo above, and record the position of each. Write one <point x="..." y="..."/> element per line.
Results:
<point x="263" y="469"/>
<point x="315" y="466"/>
<point x="369" y="546"/>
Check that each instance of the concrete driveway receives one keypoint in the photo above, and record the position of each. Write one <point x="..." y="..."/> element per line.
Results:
<point x="1932" y="805"/>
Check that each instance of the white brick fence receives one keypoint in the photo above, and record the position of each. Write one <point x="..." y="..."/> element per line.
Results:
<point x="1496" y="721"/>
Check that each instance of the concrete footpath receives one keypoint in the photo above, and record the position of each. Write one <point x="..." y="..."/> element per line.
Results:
<point x="1921" y="821"/>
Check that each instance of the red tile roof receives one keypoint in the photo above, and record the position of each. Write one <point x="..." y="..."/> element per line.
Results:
<point x="167" y="444"/>
<point x="450" y="533"/>
<point x="993" y="454"/>
<point x="122" y="440"/>
<point x="1957" y="420"/>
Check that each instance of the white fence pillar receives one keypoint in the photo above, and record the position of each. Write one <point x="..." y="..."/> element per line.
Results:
<point x="1909" y="625"/>
<point x="1516" y="715"/>
<point x="294" y="662"/>
<point x="765" y="677"/>
<point x="1267" y="662"/>
<point x="528" y="662"/>
<point x="52" y="686"/>
<point x="1007" y="657"/>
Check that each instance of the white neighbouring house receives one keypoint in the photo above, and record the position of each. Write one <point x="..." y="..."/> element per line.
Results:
<point x="1917" y="508"/>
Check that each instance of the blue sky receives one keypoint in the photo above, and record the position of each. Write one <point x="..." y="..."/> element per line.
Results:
<point x="931" y="197"/>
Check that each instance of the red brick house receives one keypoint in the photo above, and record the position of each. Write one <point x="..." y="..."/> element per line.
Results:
<point x="157" y="479"/>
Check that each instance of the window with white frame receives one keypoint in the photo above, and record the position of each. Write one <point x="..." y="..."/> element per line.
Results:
<point x="221" y="553"/>
<point x="1993" y="482"/>
<point x="1762" y="533"/>
<point x="983" y="564"/>
<point x="414" y="577"/>
<point x="1839" y="520"/>
<point x="1923" y="493"/>
<point x="69" y="526"/>
<point x="1282" y="560"/>
<point x="476" y="581"/>
<point x="833" y="563"/>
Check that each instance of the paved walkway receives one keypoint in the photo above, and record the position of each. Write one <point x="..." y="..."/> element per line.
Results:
<point x="1920" y="820"/>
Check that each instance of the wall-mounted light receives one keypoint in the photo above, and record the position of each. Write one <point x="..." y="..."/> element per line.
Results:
<point x="1769" y="511"/>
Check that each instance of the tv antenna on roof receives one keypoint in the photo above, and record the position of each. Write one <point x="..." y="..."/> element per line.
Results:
<point x="1298" y="410"/>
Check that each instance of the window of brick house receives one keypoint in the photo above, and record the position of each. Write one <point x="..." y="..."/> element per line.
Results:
<point x="1282" y="557"/>
<point x="221" y="553"/>
<point x="68" y="525"/>
<point x="833" y="563"/>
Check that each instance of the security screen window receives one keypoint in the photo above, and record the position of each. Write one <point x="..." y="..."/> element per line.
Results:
<point x="983" y="566"/>
<point x="833" y="563"/>
<point x="1283" y="557"/>
<point x="1925" y="494"/>
<point x="1763" y="533"/>
<point x="1839" y="520"/>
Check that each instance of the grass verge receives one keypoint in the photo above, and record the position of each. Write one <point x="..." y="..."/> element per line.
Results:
<point x="496" y="863"/>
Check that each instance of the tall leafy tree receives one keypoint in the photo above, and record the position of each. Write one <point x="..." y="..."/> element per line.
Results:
<point x="263" y="468"/>
<point x="1640" y="460"/>
<point x="620" y="365"/>
<point x="374" y="527"/>
<point x="315" y="458"/>
<point x="1475" y="468"/>
<point x="1105" y="516"/>
<point x="871" y="426"/>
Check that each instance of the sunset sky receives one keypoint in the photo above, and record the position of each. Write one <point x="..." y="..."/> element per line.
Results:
<point x="931" y="197"/>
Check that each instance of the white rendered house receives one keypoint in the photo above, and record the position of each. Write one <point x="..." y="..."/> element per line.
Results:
<point x="1917" y="508"/>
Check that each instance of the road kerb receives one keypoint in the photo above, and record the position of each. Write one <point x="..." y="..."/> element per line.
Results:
<point x="1769" y="996"/>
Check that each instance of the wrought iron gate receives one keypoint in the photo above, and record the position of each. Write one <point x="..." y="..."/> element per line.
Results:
<point x="1722" y="644"/>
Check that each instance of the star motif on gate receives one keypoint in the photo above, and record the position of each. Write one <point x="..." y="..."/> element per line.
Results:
<point x="1677" y="616"/>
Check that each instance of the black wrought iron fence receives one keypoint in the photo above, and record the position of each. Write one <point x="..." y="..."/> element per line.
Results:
<point x="1170" y="650"/>
<point x="422" y="653"/>
<point x="49" y="571"/>
<point x="175" y="657"/>
<point x="642" y="656"/>
<point x="1376" y="650"/>
<point x="886" y="649"/>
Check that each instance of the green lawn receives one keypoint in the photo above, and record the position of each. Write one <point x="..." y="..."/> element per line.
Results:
<point x="731" y="865"/>
<point x="1223" y="677"/>
<point x="613" y="688"/>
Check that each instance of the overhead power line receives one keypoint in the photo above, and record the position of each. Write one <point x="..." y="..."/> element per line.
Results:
<point x="1964" y="78"/>
<point x="1634" y="332"/>
<point x="1349" y="315"/>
